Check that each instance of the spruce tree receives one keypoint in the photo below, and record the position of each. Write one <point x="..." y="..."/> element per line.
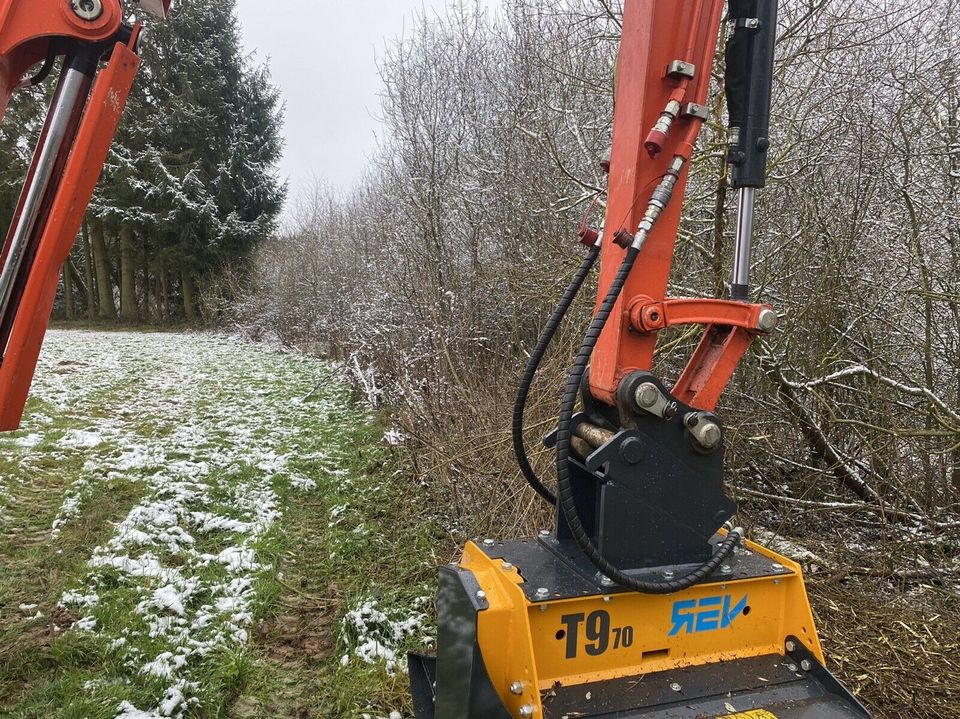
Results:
<point x="190" y="183"/>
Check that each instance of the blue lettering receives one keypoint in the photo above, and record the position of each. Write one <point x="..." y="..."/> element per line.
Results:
<point x="683" y="616"/>
<point x="730" y="614"/>
<point x="709" y="614"/>
<point x="709" y="619"/>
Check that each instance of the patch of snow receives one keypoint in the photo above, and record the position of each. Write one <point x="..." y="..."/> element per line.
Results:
<point x="167" y="597"/>
<point x="304" y="484"/>
<point x="76" y="599"/>
<point x="81" y="439"/>
<point x="126" y="710"/>
<point x="69" y="509"/>
<point x="272" y="463"/>
<point x="239" y="559"/>
<point x="789" y="548"/>
<point x="394" y="437"/>
<point x="29" y="441"/>
<point x="376" y="635"/>
<point x="208" y="522"/>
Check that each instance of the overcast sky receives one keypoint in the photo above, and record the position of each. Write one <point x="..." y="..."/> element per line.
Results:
<point x="323" y="55"/>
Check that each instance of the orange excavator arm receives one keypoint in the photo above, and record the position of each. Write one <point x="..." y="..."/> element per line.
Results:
<point x="654" y="130"/>
<point x="98" y="68"/>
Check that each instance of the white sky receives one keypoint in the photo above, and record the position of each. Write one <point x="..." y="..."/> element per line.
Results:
<point x="323" y="56"/>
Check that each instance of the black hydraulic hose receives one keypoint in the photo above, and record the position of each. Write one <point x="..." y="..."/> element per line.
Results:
<point x="567" y="505"/>
<point x="536" y="357"/>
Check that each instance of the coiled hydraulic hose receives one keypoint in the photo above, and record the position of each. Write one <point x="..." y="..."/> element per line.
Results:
<point x="536" y="357"/>
<point x="661" y="197"/>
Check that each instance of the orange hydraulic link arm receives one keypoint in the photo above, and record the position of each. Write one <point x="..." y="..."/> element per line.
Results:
<point x="73" y="145"/>
<point x="662" y="83"/>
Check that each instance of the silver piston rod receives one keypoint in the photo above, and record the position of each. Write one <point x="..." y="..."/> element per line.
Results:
<point x="740" y="287"/>
<point x="53" y="147"/>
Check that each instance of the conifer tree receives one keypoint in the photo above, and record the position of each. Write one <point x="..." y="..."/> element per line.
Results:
<point x="190" y="184"/>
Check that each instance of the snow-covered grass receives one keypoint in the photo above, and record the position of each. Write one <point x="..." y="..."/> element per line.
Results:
<point x="178" y="481"/>
<point x="376" y="636"/>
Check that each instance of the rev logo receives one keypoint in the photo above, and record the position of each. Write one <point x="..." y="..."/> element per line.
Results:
<point x="707" y="615"/>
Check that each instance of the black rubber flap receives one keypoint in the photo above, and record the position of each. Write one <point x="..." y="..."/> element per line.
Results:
<point x="423" y="675"/>
<point x="770" y="683"/>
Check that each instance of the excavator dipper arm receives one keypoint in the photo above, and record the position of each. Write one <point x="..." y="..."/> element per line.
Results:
<point x="83" y="117"/>
<point x="663" y="80"/>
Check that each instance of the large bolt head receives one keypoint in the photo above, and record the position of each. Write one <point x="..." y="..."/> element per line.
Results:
<point x="632" y="450"/>
<point x="647" y="395"/>
<point x="88" y="10"/>
<point x="710" y="435"/>
<point x="768" y="321"/>
<point x="516" y="688"/>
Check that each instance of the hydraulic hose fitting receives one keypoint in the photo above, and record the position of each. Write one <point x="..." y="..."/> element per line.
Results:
<point x="658" y="135"/>
<point x="659" y="200"/>
<point x="623" y="239"/>
<point x="588" y="236"/>
<point x="733" y="531"/>
<point x="676" y="166"/>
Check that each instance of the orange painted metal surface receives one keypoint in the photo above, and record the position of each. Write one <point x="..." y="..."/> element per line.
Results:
<point x="712" y="365"/>
<point x="647" y="315"/>
<point x="730" y="330"/>
<point x="28" y="26"/>
<point x="76" y="184"/>
<point x="644" y="88"/>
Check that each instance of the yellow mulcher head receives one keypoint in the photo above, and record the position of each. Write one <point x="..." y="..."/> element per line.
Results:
<point x="526" y="631"/>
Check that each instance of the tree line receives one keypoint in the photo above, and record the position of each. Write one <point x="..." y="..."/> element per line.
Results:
<point x="190" y="184"/>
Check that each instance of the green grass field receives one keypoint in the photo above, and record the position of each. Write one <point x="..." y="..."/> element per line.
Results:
<point x="194" y="526"/>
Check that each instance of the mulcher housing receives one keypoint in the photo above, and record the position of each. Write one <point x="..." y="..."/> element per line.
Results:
<point x="742" y="644"/>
